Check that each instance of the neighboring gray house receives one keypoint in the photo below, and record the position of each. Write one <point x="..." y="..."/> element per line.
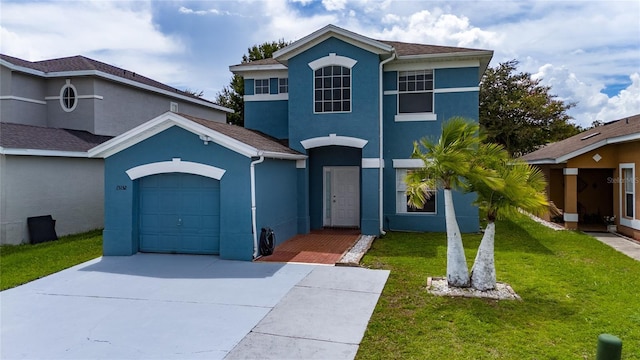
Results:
<point x="51" y="113"/>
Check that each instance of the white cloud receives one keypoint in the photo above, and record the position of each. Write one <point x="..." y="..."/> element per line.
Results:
<point x="438" y="28"/>
<point x="591" y="103"/>
<point x="37" y="31"/>
<point x="332" y="5"/>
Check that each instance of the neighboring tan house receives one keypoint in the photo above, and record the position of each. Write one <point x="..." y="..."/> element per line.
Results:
<point x="348" y="108"/>
<point x="593" y="175"/>
<point x="51" y="113"/>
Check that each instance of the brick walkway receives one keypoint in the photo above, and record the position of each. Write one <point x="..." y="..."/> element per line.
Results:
<point x="318" y="247"/>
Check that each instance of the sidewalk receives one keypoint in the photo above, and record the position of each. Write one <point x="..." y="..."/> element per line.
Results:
<point x="627" y="247"/>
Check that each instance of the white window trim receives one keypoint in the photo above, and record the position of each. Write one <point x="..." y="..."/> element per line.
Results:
<point x="629" y="222"/>
<point x="401" y="196"/>
<point x="333" y="60"/>
<point x="426" y="116"/>
<point x="266" y="97"/>
<point x="69" y="85"/>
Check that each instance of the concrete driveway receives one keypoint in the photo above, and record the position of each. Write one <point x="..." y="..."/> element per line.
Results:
<point x="154" y="306"/>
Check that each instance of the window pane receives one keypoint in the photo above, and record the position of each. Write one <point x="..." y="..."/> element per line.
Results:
<point x="346" y="106"/>
<point x="318" y="95"/>
<point x="337" y="82"/>
<point x="318" y="72"/>
<point x="337" y="94"/>
<point x="327" y="71"/>
<point x="629" y="205"/>
<point x="337" y="70"/>
<point x="346" y="94"/>
<point x="346" y="81"/>
<point x="327" y="82"/>
<point x="327" y="106"/>
<point x="337" y="106"/>
<point x="415" y="102"/>
<point x="346" y="71"/>
<point x="411" y="86"/>
<point x="318" y="107"/>
<point x="327" y="95"/>
<point x="318" y="83"/>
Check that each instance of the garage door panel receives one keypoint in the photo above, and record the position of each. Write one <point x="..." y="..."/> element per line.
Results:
<point x="179" y="213"/>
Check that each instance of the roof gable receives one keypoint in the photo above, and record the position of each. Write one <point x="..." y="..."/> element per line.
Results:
<point x="81" y="65"/>
<point x="618" y="131"/>
<point x="243" y="141"/>
<point x="318" y="36"/>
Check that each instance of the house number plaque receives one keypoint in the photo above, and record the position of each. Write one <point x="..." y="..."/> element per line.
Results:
<point x="121" y="187"/>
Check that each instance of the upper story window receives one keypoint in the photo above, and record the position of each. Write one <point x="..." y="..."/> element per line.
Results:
<point x="415" y="91"/>
<point x="332" y="89"/>
<point x="261" y="86"/>
<point x="283" y="85"/>
<point x="68" y="97"/>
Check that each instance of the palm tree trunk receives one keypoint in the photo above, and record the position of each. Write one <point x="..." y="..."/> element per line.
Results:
<point x="483" y="272"/>
<point x="457" y="270"/>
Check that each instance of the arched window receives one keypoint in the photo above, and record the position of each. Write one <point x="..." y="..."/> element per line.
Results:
<point x="332" y="89"/>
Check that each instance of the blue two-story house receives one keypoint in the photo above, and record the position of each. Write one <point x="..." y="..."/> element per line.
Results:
<point x="347" y="109"/>
<point x="355" y="105"/>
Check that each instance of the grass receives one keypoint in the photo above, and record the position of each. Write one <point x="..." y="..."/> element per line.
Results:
<point x="573" y="288"/>
<point x="23" y="263"/>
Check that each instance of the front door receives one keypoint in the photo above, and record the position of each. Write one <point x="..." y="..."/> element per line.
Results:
<point x="342" y="196"/>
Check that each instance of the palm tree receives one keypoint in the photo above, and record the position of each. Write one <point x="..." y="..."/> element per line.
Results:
<point x="523" y="188"/>
<point x="448" y="163"/>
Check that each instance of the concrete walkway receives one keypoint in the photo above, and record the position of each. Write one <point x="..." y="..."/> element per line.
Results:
<point x="625" y="246"/>
<point x="154" y="306"/>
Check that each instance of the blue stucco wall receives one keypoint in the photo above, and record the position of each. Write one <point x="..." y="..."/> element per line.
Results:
<point x="276" y="198"/>
<point x="398" y="144"/>
<point x="121" y="208"/>
<point x="361" y="122"/>
<point x="269" y="117"/>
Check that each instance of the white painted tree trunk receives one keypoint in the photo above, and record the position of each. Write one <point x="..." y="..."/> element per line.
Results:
<point x="457" y="270"/>
<point x="483" y="272"/>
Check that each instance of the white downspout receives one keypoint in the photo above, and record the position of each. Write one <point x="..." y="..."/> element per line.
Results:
<point x="254" y="229"/>
<point x="381" y="161"/>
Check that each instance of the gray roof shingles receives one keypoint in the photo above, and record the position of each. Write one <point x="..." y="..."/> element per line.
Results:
<point x="82" y="63"/>
<point x="18" y="136"/>
<point x="252" y="138"/>
<point x="614" y="129"/>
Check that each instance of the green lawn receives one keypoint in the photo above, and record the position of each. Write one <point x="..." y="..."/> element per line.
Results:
<point x="23" y="263"/>
<point x="573" y="288"/>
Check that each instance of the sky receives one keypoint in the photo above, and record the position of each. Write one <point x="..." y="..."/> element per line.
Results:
<point x="588" y="52"/>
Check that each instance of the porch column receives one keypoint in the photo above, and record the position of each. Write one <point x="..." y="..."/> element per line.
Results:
<point x="570" y="198"/>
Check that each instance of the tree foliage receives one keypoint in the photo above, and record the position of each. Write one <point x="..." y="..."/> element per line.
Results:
<point x="232" y="96"/>
<point x="519" y="113"/>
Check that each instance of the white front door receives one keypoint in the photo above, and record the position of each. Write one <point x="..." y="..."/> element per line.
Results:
<point x="342" y="196"/>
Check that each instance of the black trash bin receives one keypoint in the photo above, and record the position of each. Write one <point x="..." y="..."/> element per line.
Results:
<point x="267" y="241"/>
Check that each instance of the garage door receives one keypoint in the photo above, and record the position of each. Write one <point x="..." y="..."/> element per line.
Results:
<point x="179" y="213"/>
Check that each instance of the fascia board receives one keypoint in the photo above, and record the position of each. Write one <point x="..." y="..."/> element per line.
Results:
<point x="542" y="162"/>
<point x="599" y="144"/>
<point x="113" y="78"/>
<point x="246" y="68"/>
<point x="326" y="32"/>
<point x="283" y="156"/>
<point x="40" y="152"/>
<point x="467" y="54"/>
